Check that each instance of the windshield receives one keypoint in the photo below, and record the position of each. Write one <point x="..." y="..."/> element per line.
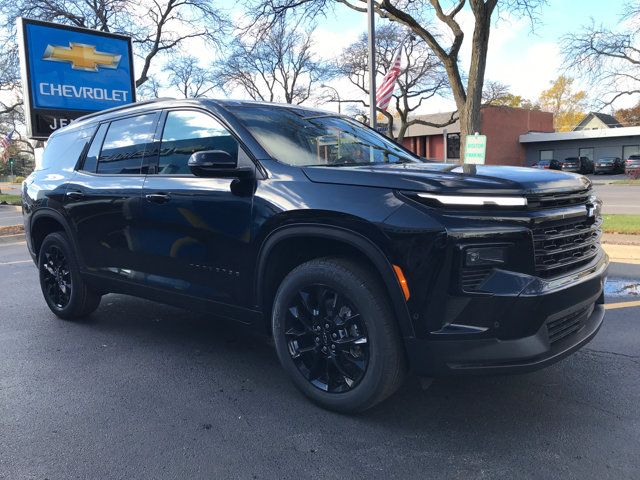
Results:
<point x="306" y="138"/>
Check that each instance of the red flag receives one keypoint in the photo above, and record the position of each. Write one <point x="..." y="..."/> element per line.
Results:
<point x="385" y="90"/>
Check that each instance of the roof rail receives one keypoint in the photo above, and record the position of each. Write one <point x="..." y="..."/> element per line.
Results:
<point x="122" y="107"/>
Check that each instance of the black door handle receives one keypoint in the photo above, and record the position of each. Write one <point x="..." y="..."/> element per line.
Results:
<point x="75" y="195"/>
<point x="158" y="197"/>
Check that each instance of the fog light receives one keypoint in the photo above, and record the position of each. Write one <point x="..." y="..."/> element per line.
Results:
<point x="486" y="256"/>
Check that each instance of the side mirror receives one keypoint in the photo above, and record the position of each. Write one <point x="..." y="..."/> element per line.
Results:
<point x="216" y="163"/>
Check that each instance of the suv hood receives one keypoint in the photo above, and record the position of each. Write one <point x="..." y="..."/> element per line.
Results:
<point x="448" y="178"/>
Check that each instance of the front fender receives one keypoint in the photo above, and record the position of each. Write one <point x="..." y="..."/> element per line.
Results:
<point x="354" y="239"/>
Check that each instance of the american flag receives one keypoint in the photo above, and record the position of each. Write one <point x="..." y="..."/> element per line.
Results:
<point x="5" y="143"/>
<point x="385" y="90"/>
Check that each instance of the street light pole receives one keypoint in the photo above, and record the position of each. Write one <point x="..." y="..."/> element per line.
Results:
<point x="372" y="63"/>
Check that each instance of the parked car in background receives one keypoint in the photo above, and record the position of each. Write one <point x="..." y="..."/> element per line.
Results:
<point x="632" y="166"/>
<point x="609" y="165"/>
<point x="552" y="164"/>
<point x="581" y="165"/>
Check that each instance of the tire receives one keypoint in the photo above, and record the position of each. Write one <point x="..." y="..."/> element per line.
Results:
<point x="64" y="290"/>
<point x="338" y="305"/>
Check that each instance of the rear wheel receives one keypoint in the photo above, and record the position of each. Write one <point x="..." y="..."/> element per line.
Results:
<point x="65" y="292"/>
<point x="336" y="336"/>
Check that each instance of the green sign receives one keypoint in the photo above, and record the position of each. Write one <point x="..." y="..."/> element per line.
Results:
<point x="475" y="148"/>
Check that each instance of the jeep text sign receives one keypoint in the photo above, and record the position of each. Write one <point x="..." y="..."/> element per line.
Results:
<point x="68" y="72"/>
<point x="474" y="149"/>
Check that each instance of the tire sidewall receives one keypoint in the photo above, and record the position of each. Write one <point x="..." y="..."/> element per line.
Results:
<point x="370" y="308"/>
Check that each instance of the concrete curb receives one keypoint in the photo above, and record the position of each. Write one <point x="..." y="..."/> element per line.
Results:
<point x="9" y="230"/>
<point x="623" y="253"/>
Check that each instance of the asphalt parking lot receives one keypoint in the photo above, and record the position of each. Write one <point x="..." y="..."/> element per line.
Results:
<point x="10" y="215"/>
<point x="618" y="199"/>
<point x="142" y="391"/>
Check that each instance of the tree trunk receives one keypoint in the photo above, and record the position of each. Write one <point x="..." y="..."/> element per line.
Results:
<point x="469" y="112"/>
<point x="401" y="132"/>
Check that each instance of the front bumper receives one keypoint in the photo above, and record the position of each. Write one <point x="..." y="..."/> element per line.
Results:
<point x="566" y="313"/>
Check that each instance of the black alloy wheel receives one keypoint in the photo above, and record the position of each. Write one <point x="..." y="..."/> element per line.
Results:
<point x="56" y="277"/>
<point x="336" y="335"/>
<point x="327" y="339"/>
<point x="63" y="288"/>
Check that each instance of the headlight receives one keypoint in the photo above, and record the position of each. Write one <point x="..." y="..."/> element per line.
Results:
<point x="469" y="200"/>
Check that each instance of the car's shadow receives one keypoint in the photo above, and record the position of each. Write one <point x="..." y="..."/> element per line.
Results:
<point x="561" y="395"/>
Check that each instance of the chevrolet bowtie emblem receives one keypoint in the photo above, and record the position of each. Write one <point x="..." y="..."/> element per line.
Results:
<point x="81" y="57"/>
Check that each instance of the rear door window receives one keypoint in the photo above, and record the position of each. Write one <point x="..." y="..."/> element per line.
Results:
<point x="125" y="144"/>
<point x="91" y="160"/>
<point x="63" y="150"/>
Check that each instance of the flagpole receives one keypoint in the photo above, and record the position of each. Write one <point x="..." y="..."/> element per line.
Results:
<point x="372" y="63"/>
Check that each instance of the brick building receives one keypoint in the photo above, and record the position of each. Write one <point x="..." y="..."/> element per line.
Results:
<point x="502" y="126"/>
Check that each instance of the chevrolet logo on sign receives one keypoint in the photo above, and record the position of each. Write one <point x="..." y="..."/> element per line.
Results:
<point x="81" y="57"/>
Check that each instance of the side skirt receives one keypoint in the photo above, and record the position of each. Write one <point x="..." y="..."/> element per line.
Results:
<point x="111" y="285"/>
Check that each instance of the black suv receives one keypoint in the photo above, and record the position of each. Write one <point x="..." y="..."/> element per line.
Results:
<point x="609" y="165"/>
<point x="362" y="261"/>
<point x="582" y="165"/>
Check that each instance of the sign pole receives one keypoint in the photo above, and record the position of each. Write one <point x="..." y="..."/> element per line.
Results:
<point x="371" y="22"/>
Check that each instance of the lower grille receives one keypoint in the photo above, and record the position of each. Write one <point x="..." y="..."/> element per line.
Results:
<point x="565" y="326"/>
<point x="472" y="277"/>
<point x="564" y="246"/>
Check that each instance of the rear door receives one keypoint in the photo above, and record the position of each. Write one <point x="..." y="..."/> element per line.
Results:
<point x="103" y="200"/>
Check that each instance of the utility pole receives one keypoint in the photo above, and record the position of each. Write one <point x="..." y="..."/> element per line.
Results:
<point x="372" y="63"/>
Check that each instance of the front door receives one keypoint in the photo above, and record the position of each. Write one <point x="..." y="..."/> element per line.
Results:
<point x="200" y="226"/>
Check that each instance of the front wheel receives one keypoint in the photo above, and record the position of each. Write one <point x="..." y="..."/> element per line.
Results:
<point x="336" y="336"/>
<point x="63" y="288"/>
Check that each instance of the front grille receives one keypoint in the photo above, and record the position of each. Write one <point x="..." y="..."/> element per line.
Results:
<point x="558" y="199"/>
<point x="565" y="326"/>
<point x="472" y="277"/>
<point x="563" y="246"/>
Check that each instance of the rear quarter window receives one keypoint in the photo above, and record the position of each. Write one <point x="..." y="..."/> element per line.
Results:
<point x="63" y="150"/>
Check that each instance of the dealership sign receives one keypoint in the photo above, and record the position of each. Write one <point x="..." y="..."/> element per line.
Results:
<point x="68" y="72"/>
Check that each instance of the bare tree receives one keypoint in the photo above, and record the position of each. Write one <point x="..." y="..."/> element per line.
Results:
<point x="422" y="76"/>
<point x="273" y="64"/>
<point x="149" y="90"/>
<point x="190" y="79"/>
<point x="425" y="19"/>
<point x="498" y="94"/>
<point x="609" y="59"/>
